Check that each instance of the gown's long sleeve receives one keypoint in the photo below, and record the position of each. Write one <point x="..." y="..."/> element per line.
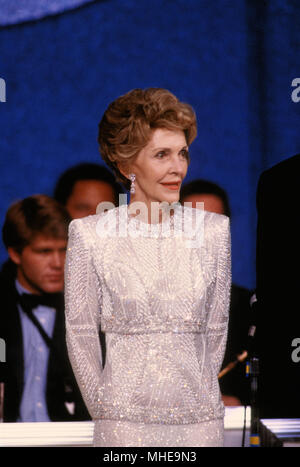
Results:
<point x="219" y="302"/>
<point x="82" y="309"/>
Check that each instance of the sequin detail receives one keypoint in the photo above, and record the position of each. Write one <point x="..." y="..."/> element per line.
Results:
<point x="162" y="301"/>
<point x="126" y="434"/>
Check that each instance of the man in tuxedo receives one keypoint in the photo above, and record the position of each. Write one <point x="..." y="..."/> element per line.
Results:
<point x="39" y="383"/>
<point x="278" y="280"/>
<point x="234" y="385"/>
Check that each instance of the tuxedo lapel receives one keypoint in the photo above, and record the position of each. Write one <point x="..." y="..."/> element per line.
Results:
<point x="14" y="356"/>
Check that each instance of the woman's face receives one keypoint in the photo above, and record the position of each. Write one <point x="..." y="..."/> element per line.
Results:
<point x="160" y="167"/>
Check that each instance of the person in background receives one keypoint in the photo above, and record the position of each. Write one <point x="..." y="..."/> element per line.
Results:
<point x="39" y="382"/>
<point x="234" y="384"/>
<point x="82" y="187"/>
<point x="277" y="290"/>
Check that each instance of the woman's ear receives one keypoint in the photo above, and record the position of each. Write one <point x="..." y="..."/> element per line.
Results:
<point x="123" y="169"/>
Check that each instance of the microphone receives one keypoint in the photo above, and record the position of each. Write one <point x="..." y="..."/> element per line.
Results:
<point x="2" y="376"/>
<point x="252" y="372"/>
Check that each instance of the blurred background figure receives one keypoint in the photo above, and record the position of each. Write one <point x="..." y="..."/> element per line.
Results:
<point x="215" y="199"/>
<point x="277" y="290"/>
<point x="39" y="382"/>
<point x="82" y="187"/>
<point x="234" y="385"/>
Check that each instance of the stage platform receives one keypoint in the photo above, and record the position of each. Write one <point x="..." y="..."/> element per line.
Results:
<point x="68" y="434"/>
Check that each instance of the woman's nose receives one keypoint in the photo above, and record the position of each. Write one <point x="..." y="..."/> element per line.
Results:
<point x="178" y="165"/>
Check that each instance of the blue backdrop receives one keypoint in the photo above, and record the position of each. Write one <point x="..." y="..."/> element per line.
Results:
<point x="233" y="60"/>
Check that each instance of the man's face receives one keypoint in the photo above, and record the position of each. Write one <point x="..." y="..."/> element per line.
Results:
<point x="85" y="197"/>
<point x="211" y="202"/>
<point x="40" y="265"/>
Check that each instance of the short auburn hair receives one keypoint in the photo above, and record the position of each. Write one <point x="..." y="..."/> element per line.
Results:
<point x="127" y="125"/>
<point x="37" y="214"/>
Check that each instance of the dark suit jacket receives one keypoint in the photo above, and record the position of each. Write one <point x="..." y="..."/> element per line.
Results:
<point x="235" y="383"/>
<point x="61" y="385"/>
<point x="278" y="286"/>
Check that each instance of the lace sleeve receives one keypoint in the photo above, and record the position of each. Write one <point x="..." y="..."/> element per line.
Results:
<point x="82" y="310"/>
<point x="220" y="299"/>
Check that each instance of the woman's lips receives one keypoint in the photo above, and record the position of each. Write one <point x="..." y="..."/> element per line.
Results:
<point x="171" y="186"/>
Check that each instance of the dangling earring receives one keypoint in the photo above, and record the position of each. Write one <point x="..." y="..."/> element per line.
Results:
<point x="132" y="186"/>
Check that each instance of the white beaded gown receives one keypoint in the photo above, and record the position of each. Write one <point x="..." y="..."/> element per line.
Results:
<point x="161" y="294"/>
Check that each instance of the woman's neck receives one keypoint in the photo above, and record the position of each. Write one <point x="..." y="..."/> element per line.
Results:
<point x="152" y="212"/>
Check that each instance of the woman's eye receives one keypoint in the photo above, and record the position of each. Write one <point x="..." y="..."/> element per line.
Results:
<point x="185" y="153"/>
<point x="160" y="154"/>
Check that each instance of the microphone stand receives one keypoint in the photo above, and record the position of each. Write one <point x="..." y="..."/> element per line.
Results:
<point x="1" y="401"/>
<point x="252" y="372"/>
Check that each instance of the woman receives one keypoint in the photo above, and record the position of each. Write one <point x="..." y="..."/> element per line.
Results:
<point x="158" y="282"/>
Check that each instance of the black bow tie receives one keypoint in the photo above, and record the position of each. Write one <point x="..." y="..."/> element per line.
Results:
<point x="31" y="301"/>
